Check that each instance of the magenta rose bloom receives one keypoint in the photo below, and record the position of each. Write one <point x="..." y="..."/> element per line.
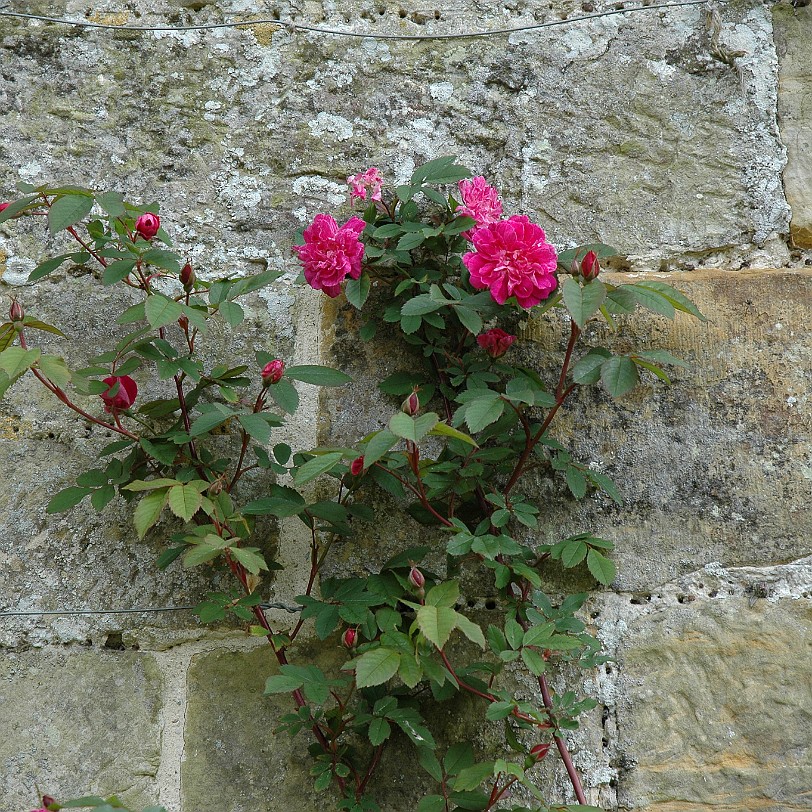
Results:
<point x="331" y="254"/>
<point x="495" y="342"/>
<point x="370" y="181"/>
<point x="147" y="225"/>
<point x="124" y="397"/>
<point x="513" y="258"/>
<point x="480" y="201"/>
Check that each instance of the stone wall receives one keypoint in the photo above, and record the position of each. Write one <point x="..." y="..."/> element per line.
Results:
<point x="683" y="142"/>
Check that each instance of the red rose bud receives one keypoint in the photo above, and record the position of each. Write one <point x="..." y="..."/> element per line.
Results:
<point x="411" y="406"/>
<point x="124" y="396"/>
<point x="147" y="225"/>
<point x="16" y="312"/>
<point x="495" y="342"/>
<point x="187" y="276"/>
<point x="47" y="800"/>
<point x="416" y="578"/>
<point x="350" y="638"/>
<point x="538" y="751"/>
<point x="272" y="372"/>
<point x="590" y="267"/>
<point x="4" y="206"/>
<point x="357" y="466"/>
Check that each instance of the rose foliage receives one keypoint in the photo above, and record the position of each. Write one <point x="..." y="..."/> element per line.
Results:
<point x="441" y="277"/>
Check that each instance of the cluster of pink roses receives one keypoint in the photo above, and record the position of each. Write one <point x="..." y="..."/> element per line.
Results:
<point x="511" y="258"/>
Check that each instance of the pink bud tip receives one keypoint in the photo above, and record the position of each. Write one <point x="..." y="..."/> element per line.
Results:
<point x="16" y="312"/>
<point x="590" y="267"/>
<point x="357" y="466"/>
<point x="147" y="225"/>
<point x="272" y="372"/>
<point x="416" y="578"/>
<point x="349" y="638"/>
<point x="4" y="206"/>
<point x="187" y="276"/>
<point x="411" y="406"/>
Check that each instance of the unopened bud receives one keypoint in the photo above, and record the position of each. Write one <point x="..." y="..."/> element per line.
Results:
<point x="183" y="322"/>
<point x="147" y="225"/>
<point x="47" y="800"/>
<point x="590" y="267"/>
<point x="357" y="466"/>
<point x="16" y="312"/>
<point x="575" y="267"/>
<point x="350" y="638"/>
<point x="272" y="372"/>
<point x="216" y="487"/>
<point x="538" y="751"/>
<point x="4" y="206"/>
<point x="411" y="406"/>
<point x="416" y="578"/>
<point x="252" y="582"/>
<point x="187" y="277"/>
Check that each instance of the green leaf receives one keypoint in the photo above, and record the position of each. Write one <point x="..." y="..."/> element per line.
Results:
<point x="68" y="210"/>
<point x="316" y="467"/>
<point x="603" y="570"/>
<point x="432" y="803"/>
<point x="470" y="629"/>
<point x="206" y="422"/>
<point x="257" y="427"/>
<point x="160" y="310"/>
<point x="318" y="375"/>
<point x="583" y="301"/>
<point x="472" y="777"/>
<point x="413" y="428"/>
<point x="469" y="319"/>
<point x="46" y="267"/>
<point x="576" y="482"/>
<point x="54" y="368"/>
<point x="379" y="731"/>
<point x="102" y="497"/>
<point x="283" y="683"/>
<point x="66" y="499"/>
<point x="285" y="396"/>
<point x="619" y="375"/>
<point x="113" y="204"/>
<point x="674" y="297"/>
<point x="185" y="501"/>
<point x="436" y="623"/>
<point x="232" y="313"/>
<point x="573" y="553"/>
<point x="482" y="412"/>
<point x="587" y="370"/>
<point x="274" y="506"/>
<point x="357" y="290"/>
<point x="376" y="667"/>
<point x="15" y="360"/>
<point x="250" y="558"/>
<point x="118" y="270"/>
<point x="149" y="510"/>
<point x="36" y="324"/>
<point x="378" y="445"/>
<point x="446" y="593"/>
<point x="445" y="430"/>
<point x="161" y="258"/>
<point x="421" y="305"/>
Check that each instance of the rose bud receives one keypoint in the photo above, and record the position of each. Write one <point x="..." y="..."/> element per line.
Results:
<point x="272" y="372"/>
<point x="538" y="751"/>
<point x="590" y="267"/>
<point x="411" y="406"/>
<point x="47" y="800"/>
<point x="495" y="342"/>
<point x="4" y="206"/>
<point x="16" y="312"/>
<point x="416" y="578"/>
<point x="187" y="276"/>
<point x="147" y="225"/>
<point x="357" y="466"/>
<point x="125" y="394"/>
<point x="350" y="638"/>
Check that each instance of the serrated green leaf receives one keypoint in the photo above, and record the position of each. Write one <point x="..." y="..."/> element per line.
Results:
<point x="444" y="430"/>
<point x="470" y="629"/>
<point x="472" y="777"/>
<point x="469" y="319"/>
<point x="15" y="360"/>
<point x="283" y="683"/>
<point x="231" y="312"/>
<point x="482" y="412"/>
<point x="587" y="370"/>
<point x="161" y="258"/>
<point x="285" y="396"/>
<point x="47" y="266"/>
<point x="68" y="210"/>
<point x="619" y="375"/>
<point x="376" y="667"/>
<point x="118" y="270"/>
<point x="432" y="803"/>
<point x="66" y="499"/>
<point x="436" y="623"/>
<point x="160" y="310"/>
<point x="378" y="445"/>
<point x="54" y="368"/>
<point x="185" y="501"/>
<point x="379" y="731"/>
<point x="316" y="467"/>
<point x="357" y="290"/>
<point x="317" y="375"/>
<point x="603" y="570"/>
<point x="250" y="558"/>
<point x="148" y="511"/>
<point x="413" y="428"/>
<point x="582" y="301"/>
<point x="257" y="427"/>
<point x="102" y="497"/>
<point x="576" y="482"/>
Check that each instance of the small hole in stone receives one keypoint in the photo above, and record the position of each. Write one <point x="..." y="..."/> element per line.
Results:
<point x="593" y="615"/>
<point x="605" y="742"/>
<point x="402" y="14"/>
<point x="613" y="782"/>
<point x="113" y="641"/>
<point x="713" y="593"/>
<point x="471" y="603"/>
<point x="490" y="604"/>
<point x="608" y="669"/>
<point x="638" y="600"/>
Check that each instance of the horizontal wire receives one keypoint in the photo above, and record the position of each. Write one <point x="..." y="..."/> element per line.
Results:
<point x="136" y="610"/>
<point x="356" y="34"/>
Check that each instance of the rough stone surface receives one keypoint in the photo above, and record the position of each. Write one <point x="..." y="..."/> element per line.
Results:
<point x="78" y="722"/>
<point x="717" y="708"/>
<point x="795" y="115"/>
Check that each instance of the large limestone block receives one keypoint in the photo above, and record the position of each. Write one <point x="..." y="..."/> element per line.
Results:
<point x="78" y="722"/>
<point x="717" y="708"/>
<point x="794" y="47"/>
<point x="628" y="128"/>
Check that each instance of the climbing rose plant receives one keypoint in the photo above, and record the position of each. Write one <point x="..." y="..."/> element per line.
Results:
<point x="440" y="275"/>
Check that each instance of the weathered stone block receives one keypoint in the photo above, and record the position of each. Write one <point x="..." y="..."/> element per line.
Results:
<point x="717" y="708"/>
<point x="78" y="722"/>
<point x="794" y="47"/>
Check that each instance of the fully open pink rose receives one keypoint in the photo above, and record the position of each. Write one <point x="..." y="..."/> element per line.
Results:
<point x="480" y="201"/>
<point x="513" y="258"/>
<point x="331" y="254"/>
<point x="370" y="180"/>
<point x="125" y="395"/>
<point x="147" y="225"/>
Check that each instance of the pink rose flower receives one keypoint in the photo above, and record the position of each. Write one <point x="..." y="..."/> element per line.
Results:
<point x="513" y="258"/>
<point x="480" y="201"/>
<point x="331" y="254"/>
<point x="370" y="180"/>
<point x="495" y="342"/>
<point x="272" y="372"/>
<point x="147" y="225"/>
<point x="124" y="397"/>
<point x="357" y="466"/>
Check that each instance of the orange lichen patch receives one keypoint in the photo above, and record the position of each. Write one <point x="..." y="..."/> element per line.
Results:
<point x="9" y="428"/>
<point x="3" y="258"/>
<point x="263" y="32"/>
<point x="110" y="17"/>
